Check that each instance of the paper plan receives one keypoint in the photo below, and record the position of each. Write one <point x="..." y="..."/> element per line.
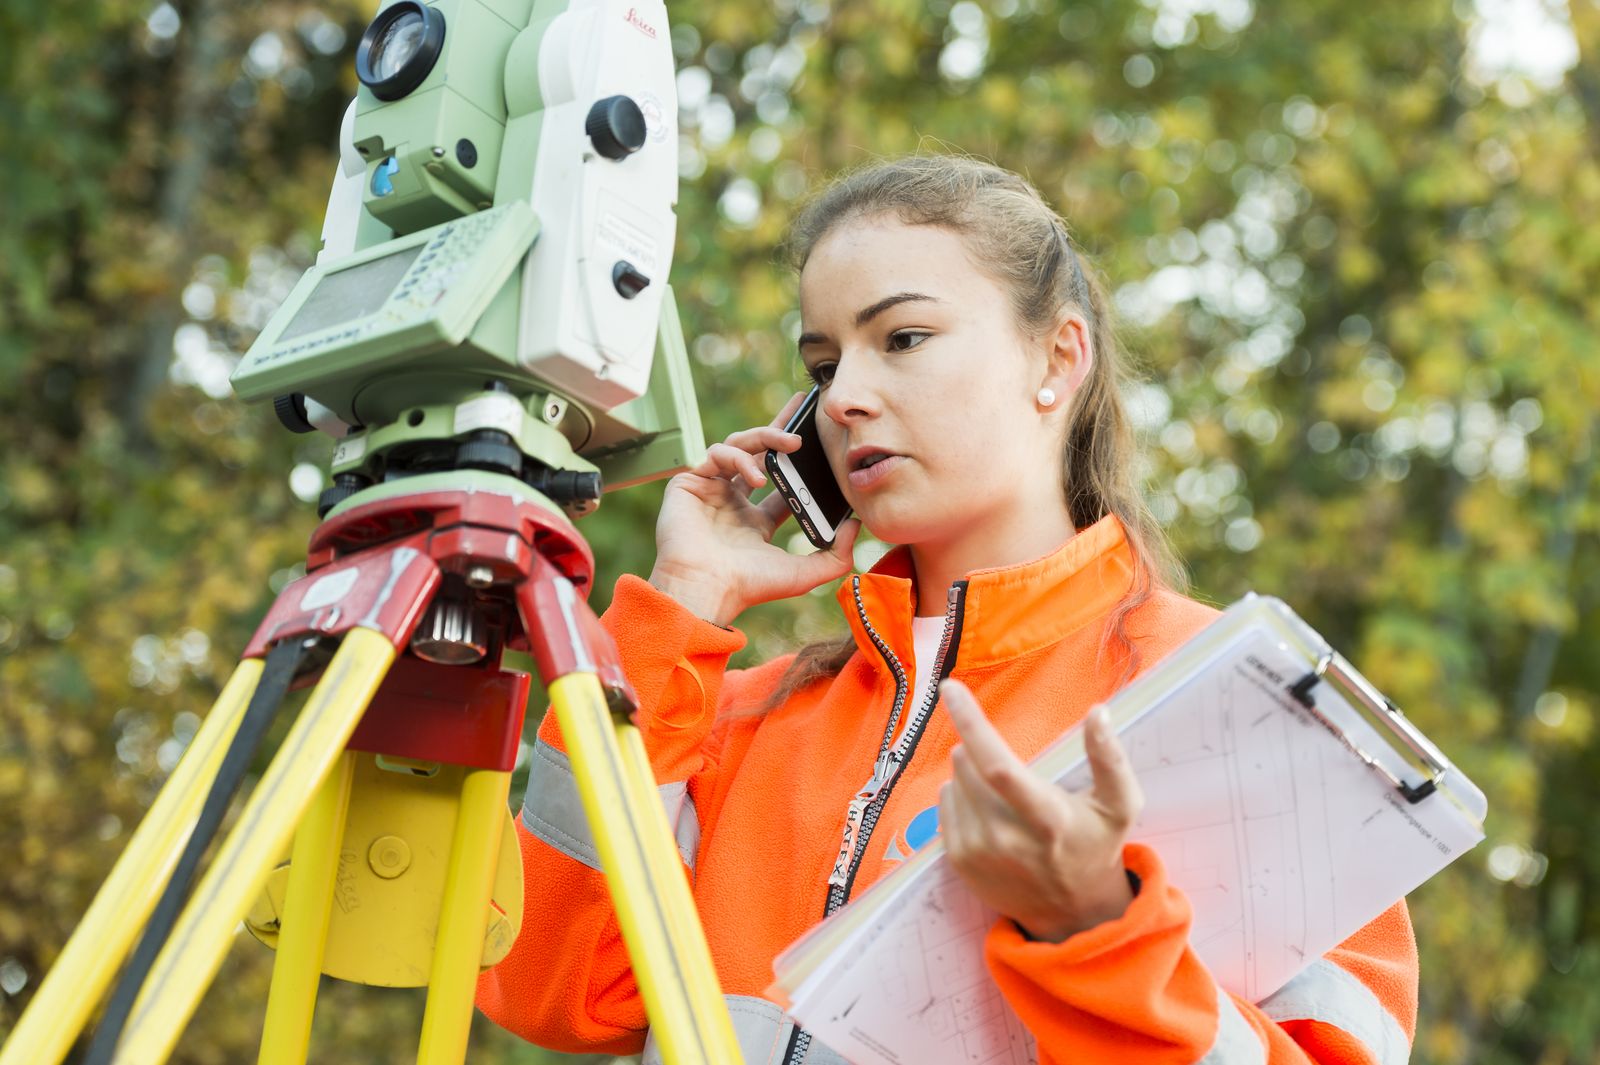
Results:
<point x="915" y="988"/>
<point x="1283" y="840"/>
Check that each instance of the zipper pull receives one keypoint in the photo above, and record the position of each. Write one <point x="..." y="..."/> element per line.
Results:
<point x="853" y="817"/>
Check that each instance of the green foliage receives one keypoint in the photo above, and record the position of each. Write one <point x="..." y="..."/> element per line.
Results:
<point x="1356" y="268"/>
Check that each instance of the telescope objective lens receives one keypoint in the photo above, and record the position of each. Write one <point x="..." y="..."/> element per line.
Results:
<point x="397" y="43"/>
<point x="400" y="46"/>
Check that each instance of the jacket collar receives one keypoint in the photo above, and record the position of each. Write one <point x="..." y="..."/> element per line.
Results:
<point x="1003" y="613"/>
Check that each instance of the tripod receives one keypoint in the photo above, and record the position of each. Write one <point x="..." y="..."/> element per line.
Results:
<point x="454" y="567"/>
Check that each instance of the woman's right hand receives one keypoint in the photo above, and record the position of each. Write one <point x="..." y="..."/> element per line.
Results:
<point x="714" y="550"/>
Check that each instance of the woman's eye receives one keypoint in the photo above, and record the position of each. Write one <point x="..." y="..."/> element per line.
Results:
<point x="906" y="339"/>
<point x="821" y="373"/>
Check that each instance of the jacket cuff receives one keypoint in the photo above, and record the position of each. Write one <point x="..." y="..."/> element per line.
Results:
<point x="675" y="662"/>
<point x="1128" y="983"/>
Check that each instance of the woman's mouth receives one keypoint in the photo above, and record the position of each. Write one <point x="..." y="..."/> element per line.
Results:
<point x="873" y="471"/>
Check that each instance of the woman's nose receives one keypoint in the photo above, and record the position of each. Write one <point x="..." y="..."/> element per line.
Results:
<point x="850" y="395"/>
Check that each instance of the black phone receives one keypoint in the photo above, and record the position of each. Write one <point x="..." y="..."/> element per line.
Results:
<point x="805" y="481"/>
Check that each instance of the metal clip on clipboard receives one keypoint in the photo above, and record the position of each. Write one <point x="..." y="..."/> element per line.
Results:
<point x="1381" y="712"/>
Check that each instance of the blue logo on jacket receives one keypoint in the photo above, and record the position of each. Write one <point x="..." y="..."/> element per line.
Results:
<point x="916" y="835"/>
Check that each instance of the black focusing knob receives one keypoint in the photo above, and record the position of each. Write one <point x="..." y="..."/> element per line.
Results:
<point x="628" y="280"/>
<point x="291" y="411"/>
<point x="616" y="127"/>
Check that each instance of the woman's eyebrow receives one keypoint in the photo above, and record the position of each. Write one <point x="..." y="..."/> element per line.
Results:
<point x="867" y="314"/>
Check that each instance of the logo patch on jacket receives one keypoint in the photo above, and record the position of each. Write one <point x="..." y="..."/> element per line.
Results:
<point x="918" y="832"/>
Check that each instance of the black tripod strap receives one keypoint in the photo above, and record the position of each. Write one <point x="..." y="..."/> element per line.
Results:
<point x="282" y="663"/>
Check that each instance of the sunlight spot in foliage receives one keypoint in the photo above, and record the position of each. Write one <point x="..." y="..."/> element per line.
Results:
<point x="694" y="87"/>
<point x="1149" y="406"/>
<point x="164" y="22"/>
<point x="200" y="300"/>
<point x="323" y="34"/>
<point x="1510" y="862"/>
<point x="1139" y="70"/>
<point x="765" y="144"/>
<point x="1551" y="709"/>
<point x="265" y="57"/>
<point x="1323" y="437"/>
<point x="963" y="58"/>
<point x="1512" y="40"/>
<point x="13" y="977"/>
<point x="201" y="362"/>
<point x="306" y="482"/>
<point x="716" y="121"/>
<point x="167" y="755"/>
<point x="741" y="202"/>
<point x="1243" y="534"/>
<point x="1526" y="414"/>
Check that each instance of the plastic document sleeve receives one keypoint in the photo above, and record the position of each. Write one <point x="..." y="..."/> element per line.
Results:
<point x="1289" y="799"/>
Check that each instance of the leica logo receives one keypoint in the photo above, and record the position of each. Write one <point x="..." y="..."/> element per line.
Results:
<point x="640" y="24"/>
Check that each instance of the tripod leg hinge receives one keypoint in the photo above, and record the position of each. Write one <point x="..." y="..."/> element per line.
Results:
<point x="386" y="590"/>
<point x="566" y="637"/>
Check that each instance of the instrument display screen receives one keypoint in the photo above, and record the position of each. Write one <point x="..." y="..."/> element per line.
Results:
<point x="351" y="293"/>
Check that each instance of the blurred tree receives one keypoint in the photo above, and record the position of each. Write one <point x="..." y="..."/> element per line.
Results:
<point x="1353" y="249"/>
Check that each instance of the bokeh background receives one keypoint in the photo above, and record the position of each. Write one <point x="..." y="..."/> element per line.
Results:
<point x="1356" y="248"/>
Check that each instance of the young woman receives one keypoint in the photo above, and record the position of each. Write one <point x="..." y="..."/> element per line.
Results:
<point x="970" y="412"/>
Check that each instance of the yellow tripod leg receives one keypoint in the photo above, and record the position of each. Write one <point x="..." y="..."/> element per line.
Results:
<point x="682" y="918"/>
<point x="463" y="917"/>
<point x="202" y="935"/>
<point x="307" y="906"/>
<point x="103" y="939"/>
<point x="689" y="1030"/>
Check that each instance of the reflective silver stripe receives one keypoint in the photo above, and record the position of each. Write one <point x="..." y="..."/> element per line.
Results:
<point x="552" y="811"/>
<point x="1237" y="1043"/>
<point x="763" y="1034"/>
<point x="1327" y="993"/>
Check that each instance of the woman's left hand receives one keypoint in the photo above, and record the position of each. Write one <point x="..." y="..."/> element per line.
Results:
<point x="1048" y="858"/>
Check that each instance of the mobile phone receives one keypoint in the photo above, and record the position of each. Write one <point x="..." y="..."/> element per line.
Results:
<point x="805" y="480"/>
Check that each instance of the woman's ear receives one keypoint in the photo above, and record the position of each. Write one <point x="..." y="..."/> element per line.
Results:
<point x="1069" y="357"/>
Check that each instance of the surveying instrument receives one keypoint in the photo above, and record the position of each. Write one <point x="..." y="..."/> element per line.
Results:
<point x="489" y="334"/>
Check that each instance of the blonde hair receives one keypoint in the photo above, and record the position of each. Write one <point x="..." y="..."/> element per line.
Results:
<point x="1024" y="244"/>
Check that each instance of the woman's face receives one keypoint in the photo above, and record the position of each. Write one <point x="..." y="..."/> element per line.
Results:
<point x="921" y="361"/>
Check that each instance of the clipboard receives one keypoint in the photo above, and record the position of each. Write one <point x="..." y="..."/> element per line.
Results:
<point x="1287" y="796"/>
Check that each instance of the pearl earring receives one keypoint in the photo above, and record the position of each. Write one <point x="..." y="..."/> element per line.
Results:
<point x="1047" y="398"/>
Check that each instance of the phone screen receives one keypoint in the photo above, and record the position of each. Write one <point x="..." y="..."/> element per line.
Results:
<point x="806" y="480"/>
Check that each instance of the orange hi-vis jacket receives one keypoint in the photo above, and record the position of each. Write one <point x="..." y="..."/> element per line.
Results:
<point x="761" y="803"/>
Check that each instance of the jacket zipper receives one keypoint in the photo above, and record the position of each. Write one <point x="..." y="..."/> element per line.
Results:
<point x="861" y="817"/>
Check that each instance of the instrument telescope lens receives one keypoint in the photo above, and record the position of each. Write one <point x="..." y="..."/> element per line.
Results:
<point x="397" y="43"/>
<point x="399" y="48"/>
